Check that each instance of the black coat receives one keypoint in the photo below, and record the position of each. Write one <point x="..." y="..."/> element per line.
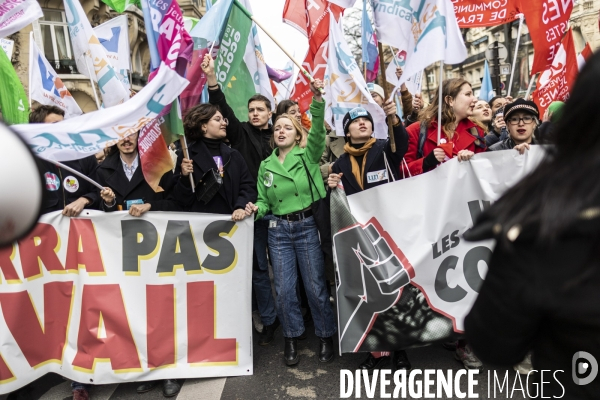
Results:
<point x="252" y="143"/>
<point x="375" y="162"/>
<point x="238" y="186"/>
<point x="112" y="175"/>
<point x="543" y="298"/>
<point x="59" y="192"/>
<point x="507" y="144"/>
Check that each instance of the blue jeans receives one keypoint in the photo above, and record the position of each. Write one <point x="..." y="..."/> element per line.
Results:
<point x="299" y="241"/>
<point x="261" y="282"/>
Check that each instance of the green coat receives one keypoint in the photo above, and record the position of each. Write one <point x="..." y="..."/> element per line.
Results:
<point x="284" y="188"/>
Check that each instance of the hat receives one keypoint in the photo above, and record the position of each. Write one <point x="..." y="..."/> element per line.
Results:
<point x="520" y="105"/>
<point x="556" y="109"/>
<point x="353" y="114"/>
<point x="376" y="88"/>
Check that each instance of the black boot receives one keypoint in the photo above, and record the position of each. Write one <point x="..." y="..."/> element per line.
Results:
<point x="325" y="349"/>
<point x="146" y="386"/>
<point x="290" y="351"/>
<point x="170" y="388"/>
<point x="372" y="363"/>
<point x="268" y="333"/>
<point x="400" y="361"/>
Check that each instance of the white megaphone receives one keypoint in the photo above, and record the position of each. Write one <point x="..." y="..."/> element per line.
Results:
<point x="22" y="187"/>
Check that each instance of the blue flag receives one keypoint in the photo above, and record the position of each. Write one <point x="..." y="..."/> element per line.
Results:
<point x="369" y="44"/>
<point x="487" y="90"/>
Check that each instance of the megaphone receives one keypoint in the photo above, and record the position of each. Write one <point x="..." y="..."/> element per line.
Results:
<point x="21" y="187"/>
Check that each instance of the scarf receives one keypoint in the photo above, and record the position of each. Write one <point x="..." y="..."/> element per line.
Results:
<point x="353" y="153"/>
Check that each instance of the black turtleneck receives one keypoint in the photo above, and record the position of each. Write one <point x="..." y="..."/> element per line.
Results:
<point x="359" y="159"/>
<point x="265" y="138"/>
<point x="213" y="145"/>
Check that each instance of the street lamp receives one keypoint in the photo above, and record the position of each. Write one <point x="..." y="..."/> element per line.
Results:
<point x="497" y="81"/>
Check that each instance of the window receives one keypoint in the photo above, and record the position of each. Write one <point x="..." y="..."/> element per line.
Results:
<point x="470" y="76"/>
<point x="431" y="77"/>
<point x="56" y="41"/>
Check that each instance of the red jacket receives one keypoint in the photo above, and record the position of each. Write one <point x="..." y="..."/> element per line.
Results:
<point x="462" y="140"/>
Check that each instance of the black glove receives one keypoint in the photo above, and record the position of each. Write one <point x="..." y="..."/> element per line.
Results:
<point x="430" y="162"/>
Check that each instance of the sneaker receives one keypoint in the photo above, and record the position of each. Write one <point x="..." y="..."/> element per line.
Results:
<point x="524" y="367"/>
<point x="268" y="333"/>
<point x="467" y="357"/>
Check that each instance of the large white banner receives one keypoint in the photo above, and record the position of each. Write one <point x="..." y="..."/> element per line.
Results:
<point x="90" y="133"/>
<point x="406" y="275"/>
<point x="109" y="298"/>
<point x="17" y="14"/>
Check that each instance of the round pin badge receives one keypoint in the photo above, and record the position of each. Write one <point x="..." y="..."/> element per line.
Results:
<point x="442" y="141"/>
<point x="268" y="179"/>
<point x="52" y="181"/>
<point x="71" y="184"/>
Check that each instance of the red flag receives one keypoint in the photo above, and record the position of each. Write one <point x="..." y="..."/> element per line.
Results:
<point x="547" y="24"/>
<point x="585" y="55"/>
<point x="556" y="82"/>
<point x="310" y="18"/>
<point x="475" y="13"/>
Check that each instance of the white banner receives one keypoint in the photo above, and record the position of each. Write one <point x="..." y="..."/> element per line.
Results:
<point x="17" y="14"/>
<point x="345" y="86"/>
<point x="90" y="133"/>
<point x="110" y="298"/>
<point x="45" y="86"/>
<point x="90" y="56"/>
<point x="8" y="46"/>
<point x="421" y="221"/>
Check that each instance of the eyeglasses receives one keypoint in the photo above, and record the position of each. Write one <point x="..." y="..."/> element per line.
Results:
<point x="515" y="120"/>
<point x="221" y="120"/>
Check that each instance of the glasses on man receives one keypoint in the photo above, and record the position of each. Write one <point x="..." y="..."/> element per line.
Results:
<point x="515" y="120"/>
<point x="221" y="120"/>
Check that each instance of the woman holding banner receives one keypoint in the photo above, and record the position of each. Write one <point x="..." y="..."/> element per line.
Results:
<point x="460" y="137"/>
<point x="289" y="183"/>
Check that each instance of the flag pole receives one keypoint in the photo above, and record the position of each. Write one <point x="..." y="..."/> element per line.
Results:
<point x="75" y="172"/>
<point x="439" y="133"/>
<point x="365" y="70"/>
<point x="514" y="64"/>
<point x="287" y="53"/>
<point x="390" y="118"/>
<point x="530" y="86"/>
<point x="30" y="64"/>
<point x="91" y="80"/>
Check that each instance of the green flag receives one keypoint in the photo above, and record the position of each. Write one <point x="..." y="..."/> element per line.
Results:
<point x="121" y="5"/>
<point x="13" y="100"/>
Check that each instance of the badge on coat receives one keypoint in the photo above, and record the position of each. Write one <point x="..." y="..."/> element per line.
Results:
<point x="52" y="181"/>
<point x="268" y="179"/>
<point x="71" y="184"/>
<point x="377" y="176"/>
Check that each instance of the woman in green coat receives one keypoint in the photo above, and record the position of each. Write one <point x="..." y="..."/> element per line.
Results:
<point x="289" y="181"/>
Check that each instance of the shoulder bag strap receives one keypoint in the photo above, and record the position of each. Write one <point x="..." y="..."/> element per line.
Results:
<point x="311" y="180"/>
<point x="387" y="166"/>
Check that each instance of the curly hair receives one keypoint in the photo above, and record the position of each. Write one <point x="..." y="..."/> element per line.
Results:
<point x="39" y="114"/>
<point x="450" y="88"/>
<point x="300" y="130"/>
<point x="196" y="117"/>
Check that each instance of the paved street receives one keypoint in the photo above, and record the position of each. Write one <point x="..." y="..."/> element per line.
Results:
<point x="310" y="379"/>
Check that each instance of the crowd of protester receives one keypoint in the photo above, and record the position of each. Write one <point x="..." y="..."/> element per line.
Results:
<point x="273" y="169"/>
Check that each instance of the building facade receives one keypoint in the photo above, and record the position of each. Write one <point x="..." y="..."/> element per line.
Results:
<point x="51" y="35"/>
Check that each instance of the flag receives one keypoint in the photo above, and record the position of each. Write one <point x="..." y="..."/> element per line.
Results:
<point x="345" y="85"/>
<point x="279" y="75"/>
<point x="370" y="54"/>
<point x="313" y="21"/>
<point x="241" y="70"/>
<point x="585" y="55"/>
<point x="284" y="89"/>
<point x="343" y="3"/>
<point x="90" y="56"/>
<point x="16" y="15"/>
<point x="434" y="36"/>
<point x="87" y="134"/>
<point x="13" y="100"/>
<point x="121" y="5"/>
<point x="393" y="21"/>
<point x="45" y="86"/>
<point x="487" y="89"/>
<point x="547" y="26"/>
<point x="114" y="37"/>
<point x="556" y="82"/>
<point x="477" y="13"/>
<point x="204" y="33"/>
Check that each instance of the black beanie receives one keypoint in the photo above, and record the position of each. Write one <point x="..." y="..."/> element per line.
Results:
<point x="521" y="105"/>
<point x="353" y="114"/>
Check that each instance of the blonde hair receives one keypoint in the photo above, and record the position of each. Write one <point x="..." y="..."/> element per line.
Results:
<point x="450" y="88"/>
<point x="300" y="130"/>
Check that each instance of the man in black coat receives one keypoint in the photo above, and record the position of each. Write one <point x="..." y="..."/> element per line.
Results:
<point x="64" y="190"/>
<point x="253" y="140"/>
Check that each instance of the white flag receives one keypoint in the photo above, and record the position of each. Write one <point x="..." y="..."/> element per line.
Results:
<point x="90" y="133"/>
<point x="45" y="86"/>
<point x="345" y="86"/>
<point x="91" y="57"/>
<point x="434" y="36"/>
<point x="114" y="37"/>
<point x="342" y="3"/>
<point x="393" y="21"/>
<point x="16" y="15"/>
